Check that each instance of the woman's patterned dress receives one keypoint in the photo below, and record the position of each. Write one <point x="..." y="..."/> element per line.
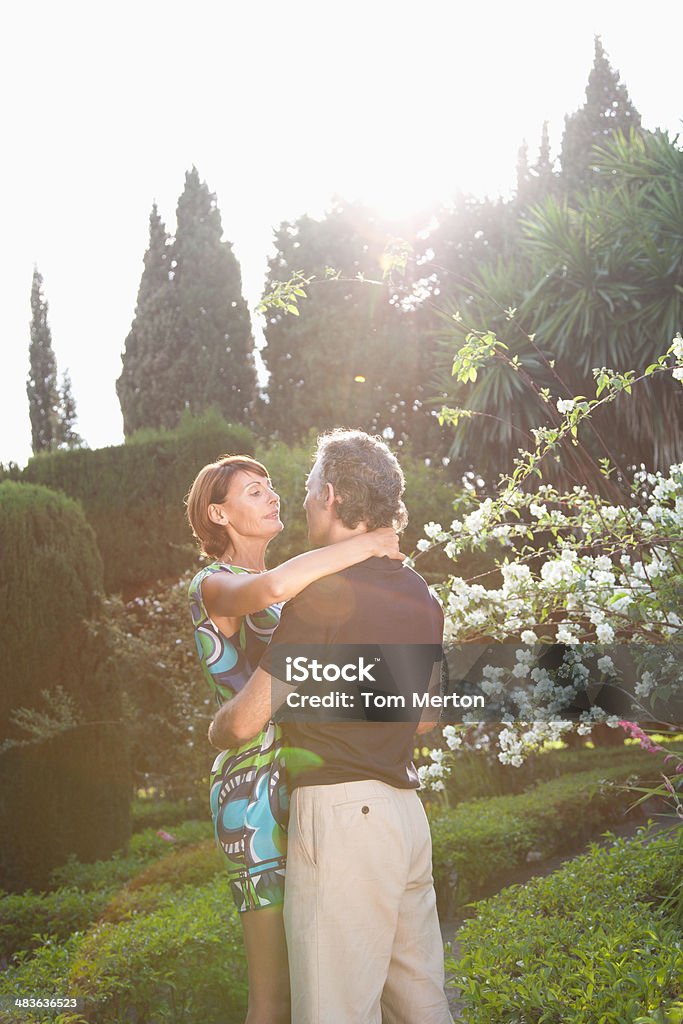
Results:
<point x="248" y="792"/>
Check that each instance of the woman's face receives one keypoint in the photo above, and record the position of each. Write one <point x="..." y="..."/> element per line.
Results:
<point x="251" y="507"/>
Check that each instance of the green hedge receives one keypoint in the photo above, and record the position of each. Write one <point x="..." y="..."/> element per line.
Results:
<point x="164" y="813"/>
<point x="484" y="838"/>
<point x="590" y="942"/>
<point x="63" y="764"/>
<point x="28" y="918"/>
<point x="133" y="495"/>
<point x="477" y="775"/>
<point x="183" y="962"/>
<point x="143" y="848"/>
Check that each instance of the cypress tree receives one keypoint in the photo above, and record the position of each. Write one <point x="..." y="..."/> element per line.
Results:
<point x="41" y="388"/>
<point x="143" y="385"/>
<point x="68" y="437"/>
<point x="213" y="346"/>
<point x="190" y="346"/>
<point x="607" y="109"/>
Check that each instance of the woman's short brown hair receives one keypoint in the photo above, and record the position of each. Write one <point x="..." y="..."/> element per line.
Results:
<point x="211" y="487"/>
<point x="366" y="477"/>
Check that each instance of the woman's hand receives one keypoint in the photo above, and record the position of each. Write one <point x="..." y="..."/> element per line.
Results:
<point x="385" y="543"/>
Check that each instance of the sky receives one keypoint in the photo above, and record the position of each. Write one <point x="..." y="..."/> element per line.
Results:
<point x="280" y="107"/>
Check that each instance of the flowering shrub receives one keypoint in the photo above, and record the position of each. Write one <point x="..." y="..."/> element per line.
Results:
<point x="571" y="568"/>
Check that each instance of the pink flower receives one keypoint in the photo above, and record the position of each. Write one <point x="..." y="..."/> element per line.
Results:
<point x="166" y="836"/>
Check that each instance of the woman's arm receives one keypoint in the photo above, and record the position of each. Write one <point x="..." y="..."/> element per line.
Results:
<point x="235" y="594"/>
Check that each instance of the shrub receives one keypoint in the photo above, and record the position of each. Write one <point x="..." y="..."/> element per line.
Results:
<point x="133" y="494"/>
<point x="125" y="865"/>
<point x="482" y="838"/>
<point x="589" y="942"/>
<point x="184" y="962"/>
<point x="26" y="918"/>
<point x="147" y="813"/>
<point x="64" y="783"/>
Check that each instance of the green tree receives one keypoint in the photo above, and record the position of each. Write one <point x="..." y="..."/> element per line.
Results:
<point x="42" y="390"/>
<point x="68" y="436"/>
<point x="213" y="347"/>
<point x="190" y="346"/>
<point x="608" y="109"/>
<point x="596" y="283"/>
<point x="354" y="356"/>
<point x="147" y="360"/>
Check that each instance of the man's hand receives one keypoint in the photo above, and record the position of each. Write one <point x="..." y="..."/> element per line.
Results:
<point x="249" y="711"/>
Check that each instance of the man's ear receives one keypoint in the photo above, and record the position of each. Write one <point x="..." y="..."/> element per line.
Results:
<point x="329" y="498"/>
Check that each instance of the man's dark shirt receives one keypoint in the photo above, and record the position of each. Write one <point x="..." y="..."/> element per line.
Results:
<point x="378" y="601"/>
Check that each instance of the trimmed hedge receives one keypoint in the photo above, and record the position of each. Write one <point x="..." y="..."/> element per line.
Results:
<point x="64" y="759"/>
<point x="476" y="775"/>
<point x="27" y="918"/>
<point x="143" y="848"/>
<point x="133" y="495"/>
<point x="481" y="839"/>
<point x="183" y="962"/>
<point x="591" y="942"/>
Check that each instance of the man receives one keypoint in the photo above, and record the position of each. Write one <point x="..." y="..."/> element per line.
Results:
<point x="360" y="910"/>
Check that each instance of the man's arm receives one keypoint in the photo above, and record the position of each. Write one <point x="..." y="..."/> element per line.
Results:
<point x="249" y="711"/>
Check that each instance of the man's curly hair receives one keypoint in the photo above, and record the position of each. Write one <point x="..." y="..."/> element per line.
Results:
<point x="367" y="479"/>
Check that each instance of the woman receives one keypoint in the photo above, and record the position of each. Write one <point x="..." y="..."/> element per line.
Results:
<point x="235" y="602"/>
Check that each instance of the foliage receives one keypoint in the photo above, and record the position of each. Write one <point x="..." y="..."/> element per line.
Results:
<point x="179" y="958"/>
<point x="27" y="918"/>
<point x="133" y="495"/>
<point x="355" y="357"/>
<point x="190" y="346"/>
<point x="481" y="839"/>
<point x="595" y="283"/>
<point x="52" y="410"/>
<point x="588" y="942"/>
<point x="182" y="962"/>
<point x="131" y="861"/>
<point x="60" y="707"/>
<point x="151" y="812"/>
<point x="592" y="574"/>
<point x="479" y="773"/>
<point x="607" y="109"/>
<point x="167" y="705"/>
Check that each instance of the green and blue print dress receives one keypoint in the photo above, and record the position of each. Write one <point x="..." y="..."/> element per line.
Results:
<point x="248" y="792"/>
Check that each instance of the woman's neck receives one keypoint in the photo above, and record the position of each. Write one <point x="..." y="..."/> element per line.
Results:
<point x="247" y="554"/>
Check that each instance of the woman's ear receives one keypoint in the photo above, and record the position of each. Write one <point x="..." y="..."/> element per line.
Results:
<point x="217" y="515"/>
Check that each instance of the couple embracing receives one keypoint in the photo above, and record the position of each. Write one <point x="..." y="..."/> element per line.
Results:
<point x="337" y="903"/>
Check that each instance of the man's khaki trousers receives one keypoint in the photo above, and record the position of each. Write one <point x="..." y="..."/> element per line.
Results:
<point x="360" y="910"/>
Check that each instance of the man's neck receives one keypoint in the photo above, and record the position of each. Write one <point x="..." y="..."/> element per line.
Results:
<point x="338" y="532"/>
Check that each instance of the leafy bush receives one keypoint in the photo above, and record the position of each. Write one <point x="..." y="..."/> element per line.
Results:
<point x="478" y="840"/>
<point x="133" y="495"/>
<point x="26" y="918"/>
<point x="587" y="943"/>
<point x="143" y="848"/>
<point x="480" y="773"/>
<point x="147" y="813"/>
<point x="59" y="705"/>
<point x="184" y="962"/>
